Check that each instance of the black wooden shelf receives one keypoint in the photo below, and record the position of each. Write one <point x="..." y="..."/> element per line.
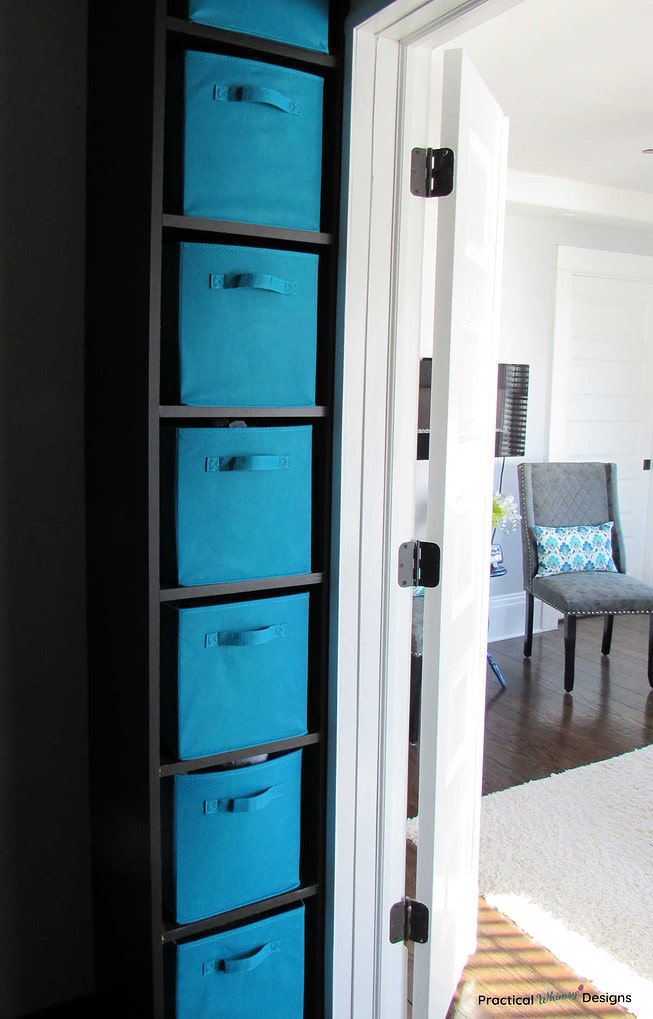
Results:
<point x="190" y="32"/>
<point x="240" y="587"/>
<point x="172" y="766"/>
<point x="171" y="411"/>
<point x="134" y="221"/>
<point x="175" y="932"/>
<point x="193" y="227"/>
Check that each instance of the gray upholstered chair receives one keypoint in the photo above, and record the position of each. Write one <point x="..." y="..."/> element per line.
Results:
<point x="566" y="494"/>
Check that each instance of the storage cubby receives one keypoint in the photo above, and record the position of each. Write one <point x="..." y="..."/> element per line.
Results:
<point x="176" y="375"/>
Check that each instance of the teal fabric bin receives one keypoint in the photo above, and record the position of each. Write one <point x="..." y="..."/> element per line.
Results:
<point x="236" y="503"/>
<point x="253" y="971"/>
<point x="302" y="23"/>
<point x="252" y="142"/>
<point x="233" y="675"/>
<point x="247" y="326"/>
<point x="233" y="837"/>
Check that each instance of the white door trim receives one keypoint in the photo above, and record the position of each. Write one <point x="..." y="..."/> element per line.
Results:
<point x="613" y="264"/>
<point x="358" y="589"/>
<point x="373" y="501"/>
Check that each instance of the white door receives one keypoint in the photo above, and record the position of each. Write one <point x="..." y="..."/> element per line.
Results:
<point x="603" y="377"/>
<point x="387" y="303"/>
<point x="463" y="403"/>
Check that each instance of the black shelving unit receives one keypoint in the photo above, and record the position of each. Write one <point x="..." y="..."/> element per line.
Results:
<point x="129" y="223"/>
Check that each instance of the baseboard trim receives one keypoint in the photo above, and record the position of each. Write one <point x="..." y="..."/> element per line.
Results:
<point x="507" y="613"/>
<point x="506" y="616"/>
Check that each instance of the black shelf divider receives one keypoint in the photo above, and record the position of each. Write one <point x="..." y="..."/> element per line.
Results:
<point x="181" y="411"/>
<point x="170" y="766"/>
<point x="194" y="227"/>
<point x="191" y="33"/>
<point x="241" y="587"/>
<point x="177" y="932"/>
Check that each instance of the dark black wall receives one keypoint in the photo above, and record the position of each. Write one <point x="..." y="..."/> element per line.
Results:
<point x="45" y="901"/>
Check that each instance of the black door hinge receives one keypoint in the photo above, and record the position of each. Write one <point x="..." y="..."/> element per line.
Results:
<point x="409" y="921"/>
<point x="431" y="172"/>
<point x="419" y="564"/>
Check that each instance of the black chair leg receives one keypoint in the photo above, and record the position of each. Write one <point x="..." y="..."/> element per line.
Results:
<point x="570" y="651"/>
<point x="528" y="636"/>
<point x="607" y="635"/>
<point x="650" y="649"/>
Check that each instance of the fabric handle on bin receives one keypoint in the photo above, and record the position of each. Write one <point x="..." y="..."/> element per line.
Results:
<point x="245" y="638"/>
<point x="256" y="94"/>
<point x="248" y="462"/>
<point x="244" y="964"/>
<point x="251" y="281"/>
<point x="244" y="804"/>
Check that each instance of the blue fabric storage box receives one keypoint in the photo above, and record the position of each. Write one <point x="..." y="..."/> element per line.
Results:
<point x="256" y="970"/>
<point x="242" y="502"/>
<point x="234" y="837"/>
<point x="252" y="142"/>
<point x="234" y="675"/>
<point x="247" y="326"/>
<point x="297" y="22"/>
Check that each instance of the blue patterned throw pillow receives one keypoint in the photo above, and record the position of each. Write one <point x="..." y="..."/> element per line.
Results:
<point x="582" y="548"/>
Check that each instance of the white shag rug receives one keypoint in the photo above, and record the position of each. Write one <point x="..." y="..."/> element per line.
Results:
<point x="569" y="859"/>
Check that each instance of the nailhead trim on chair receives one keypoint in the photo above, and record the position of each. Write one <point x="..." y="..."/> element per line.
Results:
<point x="529" y="547"/>
<point x="615" y="612"/>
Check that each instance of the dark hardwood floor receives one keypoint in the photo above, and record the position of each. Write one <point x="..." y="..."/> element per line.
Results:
<point x="534" y="729"/>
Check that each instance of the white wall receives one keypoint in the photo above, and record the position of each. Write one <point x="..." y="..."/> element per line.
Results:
<point x="531" y="241"/>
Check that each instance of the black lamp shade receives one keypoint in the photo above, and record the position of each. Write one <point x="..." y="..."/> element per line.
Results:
<point x="512" y="405"/>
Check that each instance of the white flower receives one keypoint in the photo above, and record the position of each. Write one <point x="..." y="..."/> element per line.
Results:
<point x="504" y="512"/>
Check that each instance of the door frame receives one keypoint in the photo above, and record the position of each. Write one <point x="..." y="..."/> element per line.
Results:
<point x="388" y="59"/>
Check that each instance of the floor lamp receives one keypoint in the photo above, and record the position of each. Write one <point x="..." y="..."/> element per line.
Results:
<point x="510" y="440"/>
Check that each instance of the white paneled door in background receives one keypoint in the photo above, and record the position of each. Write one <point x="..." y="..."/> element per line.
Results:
<point x="602" y="379"/>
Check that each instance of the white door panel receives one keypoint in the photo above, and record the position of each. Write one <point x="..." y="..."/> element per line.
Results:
<point x="600" y="436"/>
<point x="602" y="378"/>
<point x="458" y="519"/>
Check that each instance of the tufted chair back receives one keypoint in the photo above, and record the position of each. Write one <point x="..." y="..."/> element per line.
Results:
<point x="564" y="494"/>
